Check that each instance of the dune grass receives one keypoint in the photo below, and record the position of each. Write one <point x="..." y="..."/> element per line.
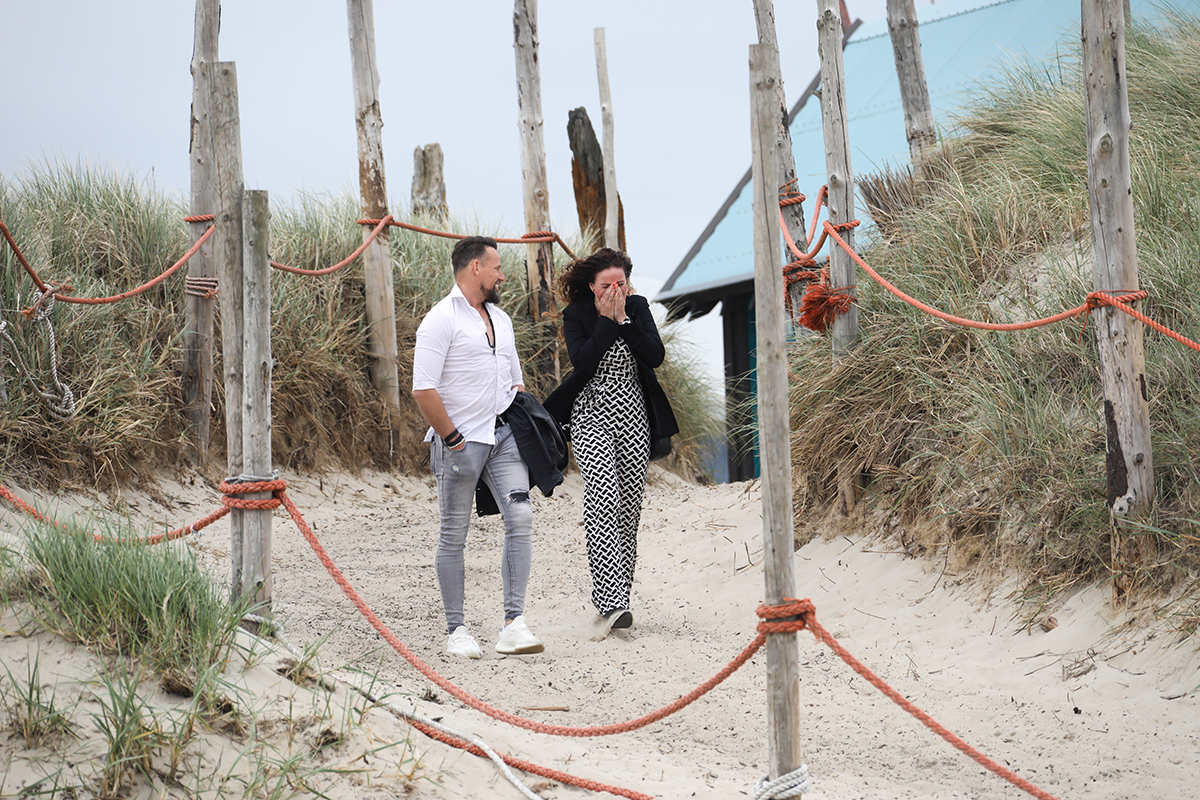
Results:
<point x="989" y="447"/>
<point x="104" y="233"/>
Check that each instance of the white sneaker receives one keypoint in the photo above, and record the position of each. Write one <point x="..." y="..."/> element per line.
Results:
<point x="517" y="640"/>
<point x="462" y="643"/>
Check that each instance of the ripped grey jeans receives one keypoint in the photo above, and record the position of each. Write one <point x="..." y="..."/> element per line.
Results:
<point x="458" y="472"/>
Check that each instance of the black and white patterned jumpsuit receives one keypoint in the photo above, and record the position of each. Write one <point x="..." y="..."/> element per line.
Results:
<point x="611" y="437"/>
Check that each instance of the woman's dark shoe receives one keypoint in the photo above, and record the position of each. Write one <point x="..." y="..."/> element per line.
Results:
<point x="620" y="618"/>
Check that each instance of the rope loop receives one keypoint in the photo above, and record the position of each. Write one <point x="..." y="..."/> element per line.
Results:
<point x="1096" y="300"/>
<point x="206" y="288"/>
<point x="200" y="218"/>
<point x="537" y="234"/>
<point x="793" y="784"/>
<point x="842" y="227"/>
<point x="788" y="196"/>
<point x="791" y="616"/>
<point x="232" y="488"/>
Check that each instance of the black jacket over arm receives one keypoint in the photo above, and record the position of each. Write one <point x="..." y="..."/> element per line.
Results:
<point x="589" y="335"/>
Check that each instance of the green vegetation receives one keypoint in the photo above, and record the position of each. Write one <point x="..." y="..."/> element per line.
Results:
<point x="104" y="234"/>
<point x="989" y="447"/>
<point x="171" y="692"/>
<point x="119" y="596"/>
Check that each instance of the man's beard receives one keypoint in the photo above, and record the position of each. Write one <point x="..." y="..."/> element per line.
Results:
<point x="493" y="295"/>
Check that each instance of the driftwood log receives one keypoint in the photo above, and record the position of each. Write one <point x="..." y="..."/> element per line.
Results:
<point x="587" y="175"/>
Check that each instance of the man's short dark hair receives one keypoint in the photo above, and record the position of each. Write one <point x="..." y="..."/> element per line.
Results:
<point x="469" y="249"/>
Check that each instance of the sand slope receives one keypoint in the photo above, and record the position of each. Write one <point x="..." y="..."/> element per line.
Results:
<point x="1098" y="707"/>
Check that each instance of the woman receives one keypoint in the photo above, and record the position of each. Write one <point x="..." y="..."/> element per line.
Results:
<point x="613" y="407"/>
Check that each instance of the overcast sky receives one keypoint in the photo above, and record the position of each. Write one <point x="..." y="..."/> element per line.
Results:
<point x="109" y="84"/>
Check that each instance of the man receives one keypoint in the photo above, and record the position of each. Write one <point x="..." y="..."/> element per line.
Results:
<point x="465" y="375"/>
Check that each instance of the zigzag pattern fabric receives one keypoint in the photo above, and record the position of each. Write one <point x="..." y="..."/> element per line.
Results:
<point x="611" y="437"/>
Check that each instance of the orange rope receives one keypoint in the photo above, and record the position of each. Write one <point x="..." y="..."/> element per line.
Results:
<point x="526" y="238"/>
<point x="203" y="522"/>
<point x="527" y="766"/>
<point x="807" y="614"/>
<point x="474" y="702"/>
<point x="1094" y="299"/>
<point x="381" y="224"/>
<point x="66" y="298"/>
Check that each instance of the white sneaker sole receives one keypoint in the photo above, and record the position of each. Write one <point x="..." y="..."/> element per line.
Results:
<point x="519" y="650"/>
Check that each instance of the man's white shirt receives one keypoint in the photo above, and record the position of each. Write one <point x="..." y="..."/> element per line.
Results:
<point x="475" y="381"/>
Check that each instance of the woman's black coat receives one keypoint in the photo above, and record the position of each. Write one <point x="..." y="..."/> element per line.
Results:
<point x="589" y="335"/>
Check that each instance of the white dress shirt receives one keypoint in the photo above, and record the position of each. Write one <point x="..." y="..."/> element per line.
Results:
<point x="475" y="380"/>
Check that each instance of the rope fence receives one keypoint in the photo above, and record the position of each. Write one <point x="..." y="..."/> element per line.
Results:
<point x="61" y="402"/>
<point x="789" y="617"/>
<point x="822" y="302"/>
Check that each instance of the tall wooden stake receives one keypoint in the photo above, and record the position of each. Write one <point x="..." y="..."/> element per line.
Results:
<point x="610" y="169"/>
<point x="197" y="378"/>
<point x="1129" y="462"/>
<point x="227" y="252"/>
<point x="539" y="263"/>
<point x="256" y="408"/>
<point x="783" y="688"/>
<point x="844" y="331"/>
<point x="793" y="214"/>
<point x="910" y="70"/>
<point x="377" y="260"/>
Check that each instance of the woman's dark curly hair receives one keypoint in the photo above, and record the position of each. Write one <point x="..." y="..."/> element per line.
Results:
<point x="574" y="282"/>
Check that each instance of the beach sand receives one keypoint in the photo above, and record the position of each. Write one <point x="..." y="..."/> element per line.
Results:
<point x="1103" y="705"/>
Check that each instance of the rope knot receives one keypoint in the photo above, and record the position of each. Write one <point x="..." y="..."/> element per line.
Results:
<point x="788" y="196"/>
<point x="778" y="619"/>
<point x="233" y="488"/>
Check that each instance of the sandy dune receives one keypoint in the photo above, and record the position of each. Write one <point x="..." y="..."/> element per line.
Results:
<point x="1097" y="707"/>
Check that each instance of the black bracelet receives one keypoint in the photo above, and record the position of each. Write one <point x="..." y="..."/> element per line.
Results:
<point x="453" y="438"/>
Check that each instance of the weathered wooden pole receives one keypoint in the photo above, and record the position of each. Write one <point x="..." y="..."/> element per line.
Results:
<point x="910" y="71"/>
<point x="1129" y="462"/>
<point x="256" y="406"/>
<point x="793" y="212"/>
<point x="227" y="253"/>
<point x="783" y="687"/>
<point x="610" y="170"/>
<point x="840" y="200"/>
<point x="539" y="263"/>
<point x="377" y="261"/>
<point x="587" y="179"/>
<point x="197" y="378"/>
<point x="429" y="183"/>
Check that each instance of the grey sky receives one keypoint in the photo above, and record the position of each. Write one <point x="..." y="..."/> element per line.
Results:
<point x="109" y="84"/>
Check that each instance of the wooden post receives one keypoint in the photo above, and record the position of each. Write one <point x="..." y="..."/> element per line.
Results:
<point x="539" y="263"/>
<point x="197" y="378"/>
<point x="610" y="170"/>
<point x="587" y="178"/>
<point x="783" y="656"/>
<point x="256" y="416"/>
<point x="428" y="184"/>
<point x="793" y="214"/>
<point x="1129" y="462"/>
<point x="227" y="252"/>
<point x="840" y="208"/>
<point x="377" y="260"/>
<point x="910" y="70"/>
